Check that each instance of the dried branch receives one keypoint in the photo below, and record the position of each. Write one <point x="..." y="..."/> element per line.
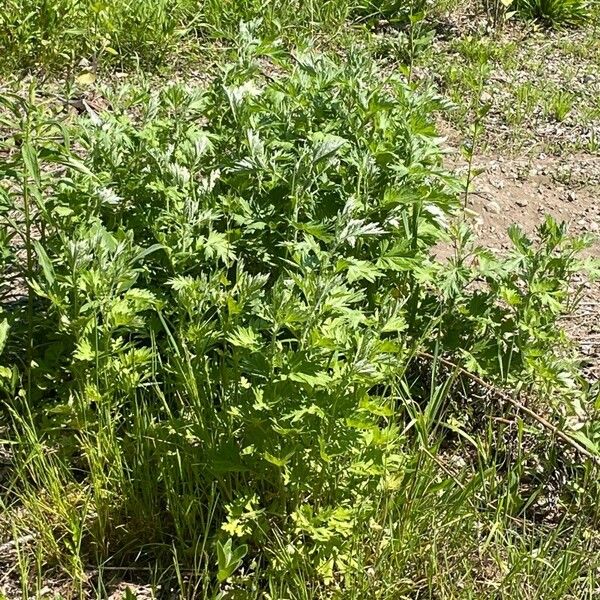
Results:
<point x="518" y="405"/>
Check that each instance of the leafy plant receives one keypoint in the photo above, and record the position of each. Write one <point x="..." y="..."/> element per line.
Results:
<point x="229" y="560"/>
<point x="559" y="105"/>
<point x="230" y="304"/>
<point x="556" y="13"/>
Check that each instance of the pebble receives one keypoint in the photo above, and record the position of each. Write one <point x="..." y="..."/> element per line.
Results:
<point x="493" y="207"/>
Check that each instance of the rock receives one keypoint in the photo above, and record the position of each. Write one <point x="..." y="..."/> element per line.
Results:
<point x="522" y="202"/>
<point x="493" y="207"/>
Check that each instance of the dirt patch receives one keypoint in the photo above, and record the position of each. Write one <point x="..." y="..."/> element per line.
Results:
<point x="523" y="191"/>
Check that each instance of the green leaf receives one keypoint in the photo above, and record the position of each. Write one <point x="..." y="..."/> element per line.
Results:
<point x="278" y="462"/>
<point x="244" y="337"/>
<point x="30" y="159"/>
<point x="129" y="595"/>
<point x="585" y="441"/>
<point x="4" y="329"/>
<point x="229" y="559"/>
<point x="326" y="146"/>
<point x="358" y="269"/>
<point x="45" y="263"/>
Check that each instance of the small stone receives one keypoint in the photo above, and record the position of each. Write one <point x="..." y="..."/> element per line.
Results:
<point x="493" y="207"/>
<point x="571" y="196"/>
<point x="594" y="227"/>
<point x="521" y="202"/>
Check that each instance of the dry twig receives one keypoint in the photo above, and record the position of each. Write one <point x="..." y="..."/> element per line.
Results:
<point x="518" y="405"/>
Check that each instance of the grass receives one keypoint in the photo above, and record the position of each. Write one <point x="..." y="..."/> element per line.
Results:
<point x="532" y="81"/>
<point x="555" y="12"/>
<point x="56" y="35"/>
<point x="231" y="364"/>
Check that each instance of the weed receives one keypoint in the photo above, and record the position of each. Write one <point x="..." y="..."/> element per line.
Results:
<point x="235" y="363"/>
<point x="559" y="105"/>
<point x="557" y="13"/>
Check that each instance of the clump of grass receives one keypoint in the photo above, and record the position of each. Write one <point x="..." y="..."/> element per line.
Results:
<point x="61" y="33"/>
<point x="556" y="13"/>
<point x="559" y="105"/>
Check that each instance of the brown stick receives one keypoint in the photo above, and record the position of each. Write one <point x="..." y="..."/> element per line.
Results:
<point x="520" y="407"/>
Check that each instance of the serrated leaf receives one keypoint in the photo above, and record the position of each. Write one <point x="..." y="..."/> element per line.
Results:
<point x="244" y="337"/>
<point x="358" y="269"/>
<point x="326" y="146"/>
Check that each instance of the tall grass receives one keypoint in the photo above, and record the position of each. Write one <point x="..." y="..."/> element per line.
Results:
<point x="62" y="33"/>
<point x="59" y="34"/>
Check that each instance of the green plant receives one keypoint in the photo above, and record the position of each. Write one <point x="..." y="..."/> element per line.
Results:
<point x="58" y="33"/>
<point x="236" y="256"/>
<point x="393" y="11"/>
<point x="559" y="105"/>
<point x="228" y="559"/>
<point x="527" y="99"/>
<point x="498" y="12"/>
<point x="556" y="13"/>
<point x="232" y="318"/>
